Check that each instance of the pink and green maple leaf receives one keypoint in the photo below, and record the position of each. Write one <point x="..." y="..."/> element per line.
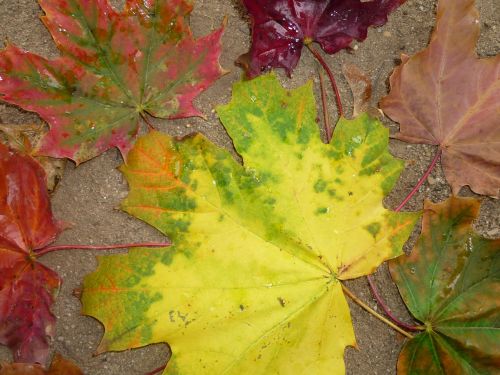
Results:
<point x="114" y="68"/>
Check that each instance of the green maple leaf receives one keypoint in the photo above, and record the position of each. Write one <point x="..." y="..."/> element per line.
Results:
<point x="451" y="283"/>
<point x="114" y="69"/>
<point x="251" y="285"/>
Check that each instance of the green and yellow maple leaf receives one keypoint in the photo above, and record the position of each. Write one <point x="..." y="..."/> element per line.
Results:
<point x="251" y="285"/>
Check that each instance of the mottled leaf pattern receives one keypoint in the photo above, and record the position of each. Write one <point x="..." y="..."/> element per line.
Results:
<point x="114" y="68"/>
<point x="251" y="283"/>
<point x="451" y="283"/>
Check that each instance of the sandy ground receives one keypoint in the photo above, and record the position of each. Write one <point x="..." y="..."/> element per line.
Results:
<point x="88" y="195"/>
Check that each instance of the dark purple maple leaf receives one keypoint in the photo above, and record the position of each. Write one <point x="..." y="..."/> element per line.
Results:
<point x="280" y="28"/>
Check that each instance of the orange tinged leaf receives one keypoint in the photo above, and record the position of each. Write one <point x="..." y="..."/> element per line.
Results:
<point x="251" y="283"/>
<point x="59" y="366"/>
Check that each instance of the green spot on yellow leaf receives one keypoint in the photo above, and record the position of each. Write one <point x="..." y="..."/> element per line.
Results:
<point x="260" y="288"/>
<point x="322" y="210"/>
<point x="373" y="228"/>
<point x="320" y="186"/>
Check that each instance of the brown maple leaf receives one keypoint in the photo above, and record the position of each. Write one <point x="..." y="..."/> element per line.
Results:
<point x="59" y="366"/>
<point x="445" y="95"/>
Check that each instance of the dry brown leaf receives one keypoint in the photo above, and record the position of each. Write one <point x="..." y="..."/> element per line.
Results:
<point x="59" y="366"/>
<point x="362" y="89"/>
<point x="445" y="95"/>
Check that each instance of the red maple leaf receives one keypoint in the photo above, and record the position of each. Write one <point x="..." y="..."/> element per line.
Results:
<point x="280" y="28"/>
<point x="114" y="69"/>
<point x="27" y="288"/>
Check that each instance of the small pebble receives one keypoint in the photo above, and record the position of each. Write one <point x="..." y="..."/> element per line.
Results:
<point x="493" y="232"/>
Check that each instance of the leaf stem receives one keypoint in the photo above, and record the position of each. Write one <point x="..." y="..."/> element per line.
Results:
<point x="326" y="118"/>
<point x="421" y="181"/>
<point x="374" y="313"/>
<point x="49" y="249"/>
<point x="146" y="120"/>
<point x="371" y="281"/>
<point x="156" y="371"/>
<point x="381" y="302"/>
<point x="325" y="66"/>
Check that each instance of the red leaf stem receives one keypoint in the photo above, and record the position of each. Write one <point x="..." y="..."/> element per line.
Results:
<point x="156" y="371"/>
<point x="326" y="118"/>
<point x="421" y="181"/>
<point x="325" y="66"/>
<point x="147" y="122"/>
<point x="388" y="312"/>
<point x="371" y="282"/>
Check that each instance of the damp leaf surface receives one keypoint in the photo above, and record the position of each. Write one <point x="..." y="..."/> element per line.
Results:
<point x="451" y="283"/>
<point x="445" y="95"/>
<point x="251" y="283"/>
<point x="280" y="28"/>
<point x="27" y="287"/>
<point x="114" y="68"/>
